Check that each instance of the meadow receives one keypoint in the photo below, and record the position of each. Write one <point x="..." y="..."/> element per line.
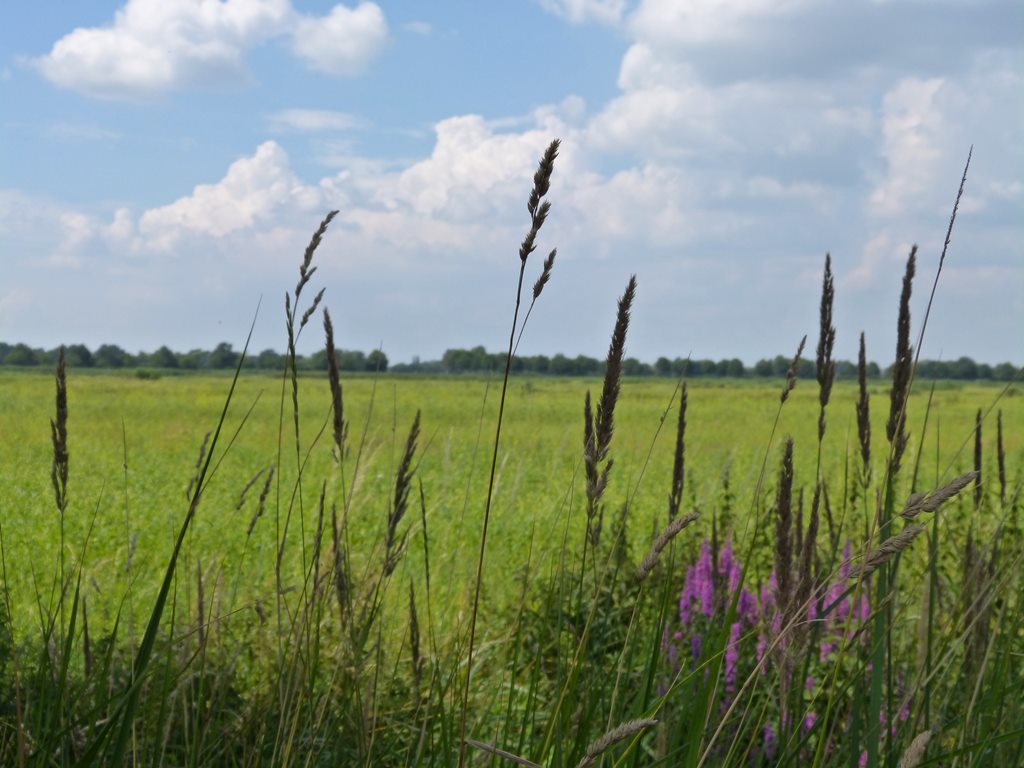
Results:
<point x="389" y="570"/>
<point x="135" y="443"/>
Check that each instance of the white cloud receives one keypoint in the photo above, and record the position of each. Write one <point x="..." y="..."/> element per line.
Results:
<point x="880" y="257"/>
<point x="472" y="169"/>
<point x="344" y="41"/>
<point x="153" y="46"/>
<point x="580" y="11"/>
<point x="253" y="192"/>
<point x="313" y="120"/>
<point x="700" y="21"/>
<point x="911" y="125"/>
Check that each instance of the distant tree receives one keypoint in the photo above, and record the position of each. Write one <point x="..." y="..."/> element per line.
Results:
<point x="111" y="356"/>
<point x="873" y="370"/>
<point x="269" y="360"/>
<point x="680" y="366"/>
<point x="764" y="367"/>
<point x="845" y="369"/>
<point x="633" y="367"/>
<point x="78" y="356"/>
<point x="560" y="365"/>
<point x="377" y="361"/>
<point x="163" y="358"/>
<point x="780" y="365"/>
<point x="314" y="362"/>
<point x="1004" y="372"/>
<point x="222" y="356"/>
<point x="733" y="367"/>
<point x="20" y="354"/>
<point x="194" y="359"/>
<point x="588" y="366"/>
<point x="964" y="368"/>
<point x="351" y="360"/>
<point x="47" y="357"/>
<point x="703" y="368"/>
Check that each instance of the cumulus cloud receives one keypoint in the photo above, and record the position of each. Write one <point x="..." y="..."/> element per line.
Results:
<point x="470" y="169"/>
<point x="253" y="191"/>
<point x="911" y="125"/>
<point x="344" y="41"/>
<point x="701" y="21"/>
<point x="153" y="46"/>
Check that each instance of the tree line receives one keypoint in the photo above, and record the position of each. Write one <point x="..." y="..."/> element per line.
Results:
<point x="223" y="356"/>
<point x="478" y="360"/>
<point x="475" y="360"/>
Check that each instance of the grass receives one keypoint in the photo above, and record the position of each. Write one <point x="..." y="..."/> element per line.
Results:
<point x="319" y="594"/>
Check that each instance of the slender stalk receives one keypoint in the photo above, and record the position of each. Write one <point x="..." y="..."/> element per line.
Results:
<point x="538" y="208"/>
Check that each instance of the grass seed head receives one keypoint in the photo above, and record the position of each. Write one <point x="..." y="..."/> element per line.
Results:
<point x="393" y="546"/>
<point x="863" y="414"/>
<point x="930" y="502"/>
<point x="539" y="210"/>
<point x="977" y="460"/>
<point x="670" y="532"/>
<point x="59" y="437"/>
<point x="334" y="378"/>
<point x="915" y="752"/>
<point x="613" y="737"/>
<point x="675" y="497"/>
<point x="902" y="370"/>
<point x="784" y="531"/>
<point x="545" y="274"/>
<point x="792" y="371"/>
<point x="1001" y="457"/>
<point x="825" y="366"/>
<point x="305" y="272"/>
<point x="889" y="548"/>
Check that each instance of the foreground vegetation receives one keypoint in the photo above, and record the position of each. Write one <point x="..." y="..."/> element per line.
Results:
<point x="433" y="572"/>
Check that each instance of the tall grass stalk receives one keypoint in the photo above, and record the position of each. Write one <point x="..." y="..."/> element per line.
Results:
<point x="538" y="208"/>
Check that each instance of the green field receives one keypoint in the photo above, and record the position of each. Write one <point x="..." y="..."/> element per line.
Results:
<point x="266" y="676"/>
<point x="155" y="428"/>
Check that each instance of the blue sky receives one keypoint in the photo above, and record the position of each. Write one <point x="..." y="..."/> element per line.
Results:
<point x="163" y="163"/>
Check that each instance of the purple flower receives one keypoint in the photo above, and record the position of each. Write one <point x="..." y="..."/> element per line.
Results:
<point x="746" y="608"/>
<point x="704" y="580"/>
<point x="770" y="741"/>
<point x="732" y="655"/>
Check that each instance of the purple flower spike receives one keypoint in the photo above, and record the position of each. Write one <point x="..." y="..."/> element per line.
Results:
<point x="687" y="596"/>
<point x="704" y="584"/>
<point x="732" y="655"/>
<point x="747" y="607"/>
<point x="770" y="741"/>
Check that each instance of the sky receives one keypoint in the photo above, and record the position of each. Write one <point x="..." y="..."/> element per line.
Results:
<point x="163" y="164"/>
